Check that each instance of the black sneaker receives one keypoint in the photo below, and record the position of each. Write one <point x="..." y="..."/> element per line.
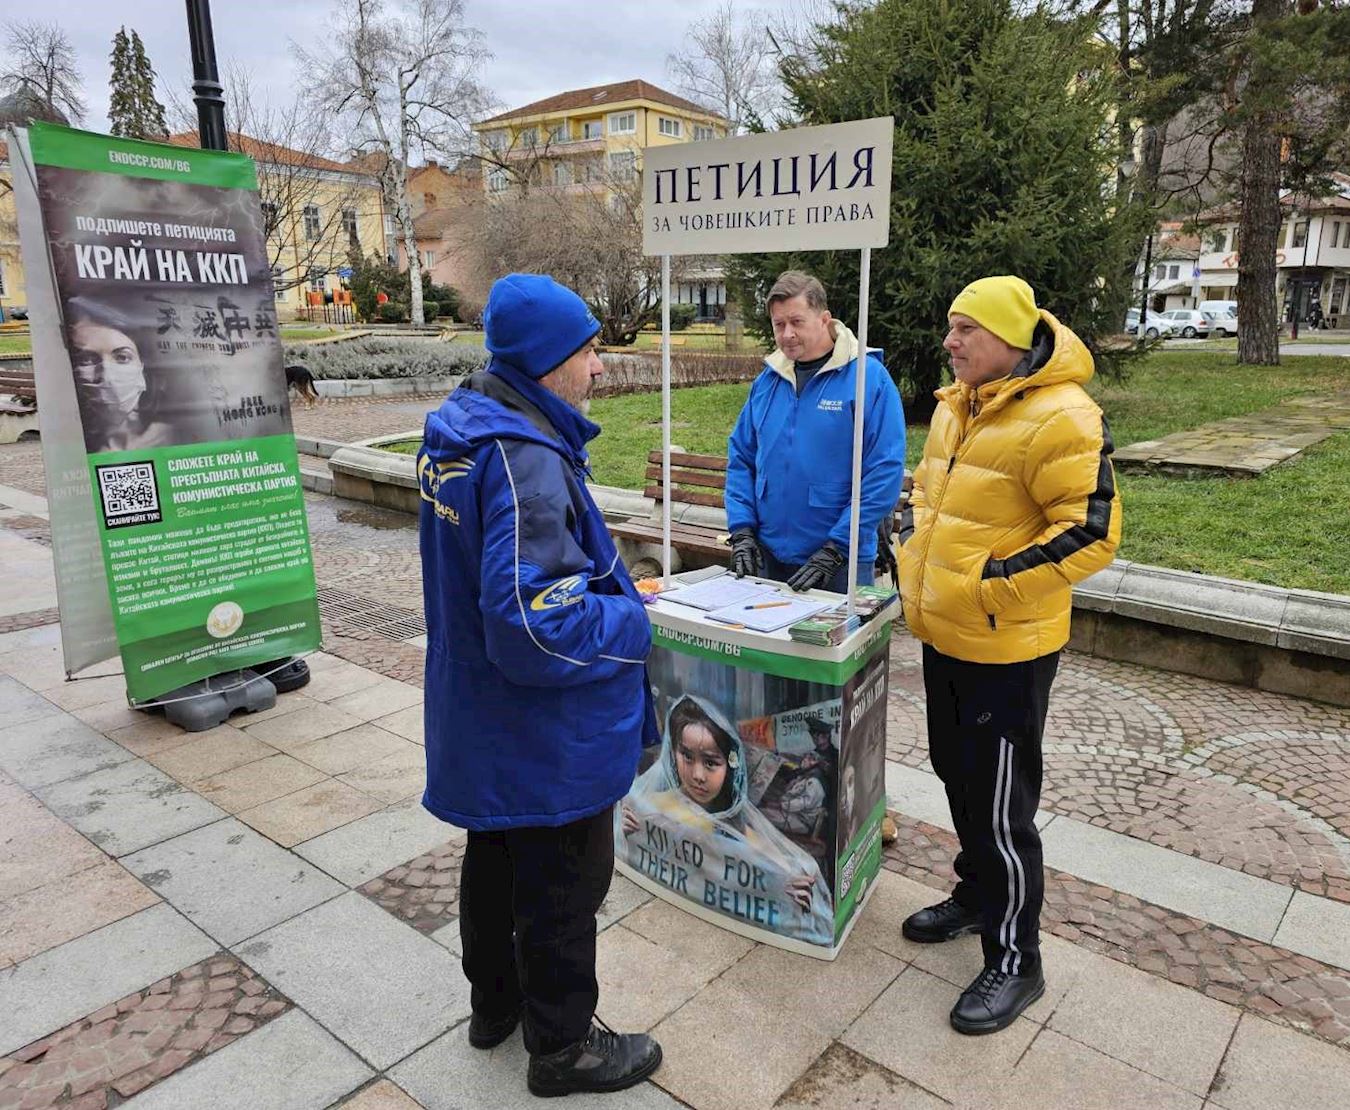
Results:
<point x="994" y="1000"/>
<point x="945" y="921"/>
<point x="604" y="1061"/>
<point x="486" y="1032"/>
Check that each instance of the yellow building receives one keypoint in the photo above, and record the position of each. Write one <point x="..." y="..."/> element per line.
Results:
<point x="588" y="135"/>
<point x="12" y="292"/>
<point x="587" y="138"/>
<point x="314" y="211"/>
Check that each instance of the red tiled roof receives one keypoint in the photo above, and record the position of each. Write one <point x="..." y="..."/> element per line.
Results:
<point x="600" y="96"/>
<point x="261" y="151"/>
<point x="1180" y="245"/>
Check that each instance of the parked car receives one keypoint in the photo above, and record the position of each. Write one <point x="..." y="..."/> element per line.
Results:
<point x="1188" y="322"/>
<point x="1222" y="324"/>
<point x="1154" y="326"/>
<point x="1222" y="316"/>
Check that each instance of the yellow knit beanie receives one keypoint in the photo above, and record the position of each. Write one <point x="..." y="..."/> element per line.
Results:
<point x="1004" y="305"/>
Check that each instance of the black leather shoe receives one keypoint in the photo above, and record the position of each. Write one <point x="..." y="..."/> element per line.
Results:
<point x="945" y="921"/>
<point x="994" y="1000"/>
<point x="604" y="1061"/>
<point x="485" y="1032"/>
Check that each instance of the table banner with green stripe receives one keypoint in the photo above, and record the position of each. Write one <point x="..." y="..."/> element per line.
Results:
<point x="760" y="808"/>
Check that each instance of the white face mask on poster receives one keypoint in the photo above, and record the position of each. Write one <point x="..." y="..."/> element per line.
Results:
<point x="108" y="368"/>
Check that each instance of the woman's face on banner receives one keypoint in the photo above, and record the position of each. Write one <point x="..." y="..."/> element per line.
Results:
<point x="700" y="764"/>
<point x="107" y="362"/>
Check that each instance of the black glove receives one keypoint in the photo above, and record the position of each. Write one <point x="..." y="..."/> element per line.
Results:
<point x="885" y="563"/>
<point x="746" y="558"/>
<point x="819" y="569"/>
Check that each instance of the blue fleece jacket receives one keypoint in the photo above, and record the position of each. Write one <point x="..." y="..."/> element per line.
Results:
<point x="789" y="458"/>
<point x="537" y="702"/>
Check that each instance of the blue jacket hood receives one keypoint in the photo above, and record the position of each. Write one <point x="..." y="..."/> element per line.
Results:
<point x="499" y="402"/>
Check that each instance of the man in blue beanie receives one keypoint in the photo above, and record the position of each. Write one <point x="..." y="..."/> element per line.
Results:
<point x="537" y="702"/>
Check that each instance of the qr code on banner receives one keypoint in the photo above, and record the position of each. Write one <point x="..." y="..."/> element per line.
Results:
<point x="130" y="494"/>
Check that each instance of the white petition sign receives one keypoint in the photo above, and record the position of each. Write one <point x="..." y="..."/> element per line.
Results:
<point x="811" y="188"/>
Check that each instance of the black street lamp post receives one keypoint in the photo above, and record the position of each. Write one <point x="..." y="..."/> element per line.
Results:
<point x="206" y="87"/>
<point x="288" y="673"/>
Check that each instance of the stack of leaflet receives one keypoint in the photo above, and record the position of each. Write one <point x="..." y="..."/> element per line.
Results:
<point x="834" y="626"/>
<point x="868" y="601"/>
<point x="828" y="629"/>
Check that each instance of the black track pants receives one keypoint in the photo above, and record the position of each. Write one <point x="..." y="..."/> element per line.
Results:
<point x="985" y="722"/>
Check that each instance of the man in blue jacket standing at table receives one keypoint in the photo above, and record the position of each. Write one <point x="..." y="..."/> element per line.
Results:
<point x="537" y="702"/>
<point x="789" y="458"/>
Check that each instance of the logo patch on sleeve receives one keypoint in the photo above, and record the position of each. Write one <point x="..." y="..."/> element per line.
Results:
<point x="566" y="591"/>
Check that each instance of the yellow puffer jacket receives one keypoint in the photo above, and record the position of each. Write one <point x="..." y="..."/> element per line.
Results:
<point x="1010" y="507"/>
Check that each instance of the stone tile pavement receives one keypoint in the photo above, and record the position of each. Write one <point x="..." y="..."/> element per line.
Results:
<point x="1241" y="446"/>
<point x="276" y="883"/>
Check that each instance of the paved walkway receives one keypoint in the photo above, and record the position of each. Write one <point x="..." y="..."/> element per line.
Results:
<point x="262" y="915"/>
<point x="1241" y="446"/>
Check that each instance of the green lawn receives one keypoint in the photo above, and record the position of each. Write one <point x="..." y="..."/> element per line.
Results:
<point x="1290" y="527"/>
<point x="692" y="341"/>
<point x="473" y="338"/>
<point x="15" y="344"/>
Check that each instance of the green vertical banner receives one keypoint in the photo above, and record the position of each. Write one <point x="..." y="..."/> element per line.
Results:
<point x="169" y="319"/>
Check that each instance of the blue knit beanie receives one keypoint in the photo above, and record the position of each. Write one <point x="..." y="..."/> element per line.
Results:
<point x="535" y="324"/>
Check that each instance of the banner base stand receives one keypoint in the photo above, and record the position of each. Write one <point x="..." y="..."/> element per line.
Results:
<point x="208" y="703"/>
<point x="287" y="674"/>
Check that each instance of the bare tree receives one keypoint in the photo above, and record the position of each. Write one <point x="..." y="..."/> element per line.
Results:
<point x="588" y="236"/>
<point x="405" y="76"/>
<point x="728" y="65"/>
<point x="311" y="204"/>
<point x="41" y="58"/>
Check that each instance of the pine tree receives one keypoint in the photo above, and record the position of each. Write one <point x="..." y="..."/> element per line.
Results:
<point x="133" y="111"/>
<point x="1004" y="148"/>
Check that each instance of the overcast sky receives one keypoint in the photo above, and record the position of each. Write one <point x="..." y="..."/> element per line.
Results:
<point x="539" y="47"/>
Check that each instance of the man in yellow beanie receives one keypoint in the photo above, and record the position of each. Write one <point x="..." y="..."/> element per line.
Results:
<point x="1014" y="501"/>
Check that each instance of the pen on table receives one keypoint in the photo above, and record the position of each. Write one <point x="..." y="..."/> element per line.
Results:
<point x="768" y="605"/>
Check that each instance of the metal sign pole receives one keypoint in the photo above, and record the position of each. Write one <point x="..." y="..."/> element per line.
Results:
<point x="859" y="396"/>
<point x="665" y="419"/>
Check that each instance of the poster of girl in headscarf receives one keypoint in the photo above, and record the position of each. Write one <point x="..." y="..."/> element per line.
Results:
<point x="736" y="809"/>
<point x="689" y="824"/>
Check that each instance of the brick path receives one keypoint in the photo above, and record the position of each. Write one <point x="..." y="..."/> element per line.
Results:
<point x="1241" y="446"/>
<point x="1262" y="978"/>
<point x="140" y="1039"/>
<point x="307" y="816"/>
<point x="348" y="420"/>
<point x="1254" y="781"/>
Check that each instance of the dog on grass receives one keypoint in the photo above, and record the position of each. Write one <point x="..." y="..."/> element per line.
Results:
<point x="299" y="378"/>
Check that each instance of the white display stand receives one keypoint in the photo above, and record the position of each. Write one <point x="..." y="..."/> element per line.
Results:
<point x="809" y="724"/>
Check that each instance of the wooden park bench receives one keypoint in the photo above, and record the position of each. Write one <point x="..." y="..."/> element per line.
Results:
<point x="18" y="401"/>
<point x="695" y="480"/>
<point x="21" y="386"/>
<point x="698" y="480"/>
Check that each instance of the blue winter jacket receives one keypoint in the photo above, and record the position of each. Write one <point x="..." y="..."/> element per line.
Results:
<point x="536" y="702"/>
<point x="789" y="464"/>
